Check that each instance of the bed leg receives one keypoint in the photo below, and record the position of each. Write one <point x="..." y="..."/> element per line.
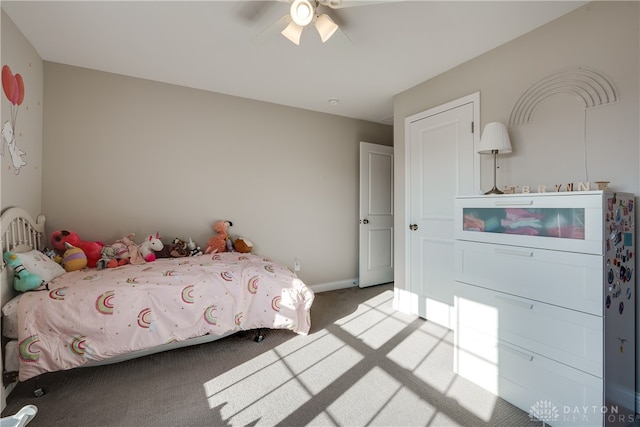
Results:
<point x="9" y="377"/>
<point x="38" y="391"/>
<point x="259" y="336"/>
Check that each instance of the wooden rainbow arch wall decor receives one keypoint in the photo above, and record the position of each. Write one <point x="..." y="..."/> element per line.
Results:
<point x="592" y="87"/>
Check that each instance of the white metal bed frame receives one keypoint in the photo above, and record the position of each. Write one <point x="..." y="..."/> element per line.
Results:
<point x="19" y="232"/>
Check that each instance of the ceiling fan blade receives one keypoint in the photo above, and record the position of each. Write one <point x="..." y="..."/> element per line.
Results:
<point x="273" y="29"/>
<point x="340" y="4"/>
<point x="336" y="15"/>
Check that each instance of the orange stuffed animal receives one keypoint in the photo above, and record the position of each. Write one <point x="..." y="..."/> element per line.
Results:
<point x="218" y="243"/>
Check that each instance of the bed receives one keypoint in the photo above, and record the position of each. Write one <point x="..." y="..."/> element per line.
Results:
<point x="92" y="317"/>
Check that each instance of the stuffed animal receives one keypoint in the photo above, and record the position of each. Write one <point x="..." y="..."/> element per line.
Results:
<point x="243" y="245"/>
<point x="110" y="258"/>
<point x="194" y="250"/>
<point x="93" y="250"/>
<point x="23" y="280"/>
<point x="179" y="248"/>
<point x="151" y="243"/>
<point x="121" y="250"/>
<point x="133" y="250"/>
<point x="73" y="258"/>
<point x="218" y="243"/>
<point x="50" y="253"/>
<point x="176" y="249"/>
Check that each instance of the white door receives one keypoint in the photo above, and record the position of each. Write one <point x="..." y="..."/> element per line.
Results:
<point x="376" y="214"/>
<point x="442" y="164"/>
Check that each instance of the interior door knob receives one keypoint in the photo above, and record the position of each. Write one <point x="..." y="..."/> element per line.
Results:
<point x="365" y="221"/>
<point x="413" y="227"/>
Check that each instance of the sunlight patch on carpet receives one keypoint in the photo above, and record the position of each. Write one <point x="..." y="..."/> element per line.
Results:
<point x="373" y="322"/>
<point x="424" y="354"/>
<point x="473" y="398"/>
<point x="380" y="397"/>
<point x="270" y="387"/>
<point x="375" y="356"/>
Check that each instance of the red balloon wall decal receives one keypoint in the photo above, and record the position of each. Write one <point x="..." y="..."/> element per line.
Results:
<point x="13" y="87"/>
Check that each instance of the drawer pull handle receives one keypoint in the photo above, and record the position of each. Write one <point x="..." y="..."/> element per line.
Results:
<point x="516" y="203"/>
<point x="515" y="302"/>
<point x="521" y="354"/>
<point x="514" y="252"/>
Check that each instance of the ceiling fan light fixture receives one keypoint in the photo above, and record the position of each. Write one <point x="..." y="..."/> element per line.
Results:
<point x="293" y="32"/>
<point x="325" y="26"/>
<point x="302" y="12"/>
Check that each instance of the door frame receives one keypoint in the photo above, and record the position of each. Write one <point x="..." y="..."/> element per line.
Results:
<point x="404" y="299"/>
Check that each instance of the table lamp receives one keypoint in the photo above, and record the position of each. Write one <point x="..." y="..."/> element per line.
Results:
<point x="495" y="140"/>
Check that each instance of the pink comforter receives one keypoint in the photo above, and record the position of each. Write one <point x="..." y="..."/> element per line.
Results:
<point x="97" y="314"/>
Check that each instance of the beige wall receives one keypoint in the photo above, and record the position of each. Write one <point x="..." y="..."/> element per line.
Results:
<point x="600" y="36"/>
<point x="126" y="155"/>
<point x="563" y="143"/>
<point x="23" y="189"/>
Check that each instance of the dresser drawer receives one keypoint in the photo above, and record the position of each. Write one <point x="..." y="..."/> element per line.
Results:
<point x="557" y="221"/>
<point x="565" y="279"/>
<point x="567" y="336"/>
<point x="526" y="379"/>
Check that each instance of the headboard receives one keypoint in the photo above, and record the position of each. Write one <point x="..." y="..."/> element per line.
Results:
<point x="19" y="232"/>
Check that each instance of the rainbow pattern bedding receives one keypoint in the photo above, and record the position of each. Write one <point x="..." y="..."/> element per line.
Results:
<point x="93" y="315"/>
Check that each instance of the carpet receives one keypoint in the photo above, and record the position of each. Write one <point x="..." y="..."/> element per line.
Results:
<point x="363" y="364"/>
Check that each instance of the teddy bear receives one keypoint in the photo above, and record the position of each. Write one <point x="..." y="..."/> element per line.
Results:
<point x="243" y="245"/>
<point x="218" y="242"/>
<point x="23" y="279"/>
<point x="93" y="250"/>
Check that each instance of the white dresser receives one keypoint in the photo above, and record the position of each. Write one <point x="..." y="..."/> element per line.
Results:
<point x="545" y="297"/>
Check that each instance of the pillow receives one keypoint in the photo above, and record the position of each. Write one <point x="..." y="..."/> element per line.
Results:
<point x="38" y="263"/>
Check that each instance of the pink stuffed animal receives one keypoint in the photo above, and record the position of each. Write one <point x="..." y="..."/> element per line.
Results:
<point x="132" y="250"/>
<point x="92" y="250"/>
<point x="218" y="243"/>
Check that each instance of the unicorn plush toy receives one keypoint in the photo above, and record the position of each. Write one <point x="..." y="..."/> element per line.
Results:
<point x="151" y="243"/>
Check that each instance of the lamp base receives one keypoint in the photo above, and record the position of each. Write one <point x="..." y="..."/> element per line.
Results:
<point x="494" y="190"/>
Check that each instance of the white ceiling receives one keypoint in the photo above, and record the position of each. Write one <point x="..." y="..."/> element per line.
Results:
<point x="233" y="47"/>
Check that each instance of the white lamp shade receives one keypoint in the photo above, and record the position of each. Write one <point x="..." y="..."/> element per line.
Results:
<point x="302" y="12"/>
<point x="293" y="32"/>
<point x="495" y="138"/>
<point x="326" y="27"/>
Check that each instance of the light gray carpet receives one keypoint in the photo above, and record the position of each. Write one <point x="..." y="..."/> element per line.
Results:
<point x="362" y="364"/>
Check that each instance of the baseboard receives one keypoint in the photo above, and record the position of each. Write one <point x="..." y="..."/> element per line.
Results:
<point x="334" y="286"/>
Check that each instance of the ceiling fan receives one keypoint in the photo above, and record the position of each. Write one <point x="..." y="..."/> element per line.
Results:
<point x="305" y="13"/>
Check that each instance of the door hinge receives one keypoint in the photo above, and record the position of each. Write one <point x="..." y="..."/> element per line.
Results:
<point x="473" y="127"/>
